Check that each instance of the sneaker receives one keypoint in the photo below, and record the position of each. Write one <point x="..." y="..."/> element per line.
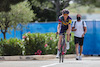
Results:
<point x="67" y="47"/>
<point x="58" y="52"/>
<point x="77" y="57"/>
<point x="80" y="57"/>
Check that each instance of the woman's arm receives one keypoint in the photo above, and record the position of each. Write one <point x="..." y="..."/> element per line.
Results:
<point x="58" y="28"/>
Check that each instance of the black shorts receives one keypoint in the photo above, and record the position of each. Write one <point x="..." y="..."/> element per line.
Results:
<point x="78" y="40"/>
<point x="63" y="29"/>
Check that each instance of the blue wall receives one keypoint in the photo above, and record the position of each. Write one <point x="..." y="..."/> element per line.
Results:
<point x="33" y="28"/>
<point x="91" y="40"/>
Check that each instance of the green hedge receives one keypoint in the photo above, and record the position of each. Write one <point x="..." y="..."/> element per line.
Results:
<point x="37" y="44"/>
<point x="33" y="44"/>
<point x="10" y="47"/>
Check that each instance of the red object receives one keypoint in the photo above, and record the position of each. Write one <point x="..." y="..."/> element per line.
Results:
<point x="63" y="53"/>
<point x="24" y="37"/>
<point x="38" y="52"/>
<point x="59" y="20"/>
<point x="45" y="45"/>
<point x="28" y="32"/>
<point x="50" y="38"/>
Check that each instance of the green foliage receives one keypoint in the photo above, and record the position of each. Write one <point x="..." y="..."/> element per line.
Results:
<point x="47" y="43"/>
<point x="82" y="9"/>
<point x="51" y="41"/>
<point x="11" y="47"/>
<point x="44" y="9"/>
<point x="89" y="2"/>
<point x="48" y="10"/>
<point x="20" y="13"/>
<point x="5" y="4"/>
<point x="33" y="43"/>
<point x="41" y="4"/>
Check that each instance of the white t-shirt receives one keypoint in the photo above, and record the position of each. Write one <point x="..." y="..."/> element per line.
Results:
<point x="79" y="27"/>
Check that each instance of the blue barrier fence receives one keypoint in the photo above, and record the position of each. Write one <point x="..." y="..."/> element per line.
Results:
<point x="91" y="40"/>
<point x="33" y="28"/>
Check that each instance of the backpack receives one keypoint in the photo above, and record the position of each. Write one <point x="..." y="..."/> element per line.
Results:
<point x="82" y="23"/>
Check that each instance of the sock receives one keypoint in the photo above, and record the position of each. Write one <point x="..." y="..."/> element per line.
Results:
<point x="67" y="45"/>
<point x="67" y="42"/>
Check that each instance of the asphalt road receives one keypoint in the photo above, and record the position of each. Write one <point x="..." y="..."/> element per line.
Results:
<point x="85" y="62"/>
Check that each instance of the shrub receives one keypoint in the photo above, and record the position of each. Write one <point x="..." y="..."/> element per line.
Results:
<point x="51" y="41"/>
<point x="38" y="44"/>
<point x="11" y="47"/>
<point x="33" y="43"/>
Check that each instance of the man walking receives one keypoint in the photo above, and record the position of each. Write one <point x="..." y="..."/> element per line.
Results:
<point x="79" y="27"/>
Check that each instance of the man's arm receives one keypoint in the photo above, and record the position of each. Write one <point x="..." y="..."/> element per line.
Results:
<point x="73" y="29"/>
<point x="85" y="30"/>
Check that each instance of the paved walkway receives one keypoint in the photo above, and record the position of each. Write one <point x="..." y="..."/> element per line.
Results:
<point x="69" y="62"/>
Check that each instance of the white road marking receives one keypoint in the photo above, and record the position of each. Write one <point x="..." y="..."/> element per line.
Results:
<point x="50" y="65"/>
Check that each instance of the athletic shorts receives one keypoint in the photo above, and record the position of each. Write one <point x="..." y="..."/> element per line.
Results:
<point x="63" y="30"/>
<point x="78" y="40"/>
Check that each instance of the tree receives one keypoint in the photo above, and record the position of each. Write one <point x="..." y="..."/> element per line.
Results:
<point x="20" y="13"/>
<point x="59" y="5"/>
<point x="40" y="7"/>
<point x="90" y="3"/>
<point x="5" y="4"/>
<point x="51" y="8"/>
<point x="96" y="3"/>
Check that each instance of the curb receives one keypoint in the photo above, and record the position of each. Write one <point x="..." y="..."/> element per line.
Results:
<point x="33" y="57"/>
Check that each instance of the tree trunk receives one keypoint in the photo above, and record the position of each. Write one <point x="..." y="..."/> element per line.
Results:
<point x="57" y="2"/>
<point x="4" y="34"/>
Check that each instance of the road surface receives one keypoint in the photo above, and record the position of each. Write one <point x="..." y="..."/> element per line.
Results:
<point x="85" y="62"/>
